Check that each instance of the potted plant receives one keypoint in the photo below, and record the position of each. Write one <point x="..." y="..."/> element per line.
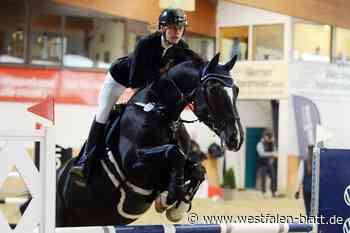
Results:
<point x="229" y="184"/>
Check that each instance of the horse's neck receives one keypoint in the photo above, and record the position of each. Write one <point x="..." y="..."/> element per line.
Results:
<point x="170" y="96"/>
<point x="145" y="95"/>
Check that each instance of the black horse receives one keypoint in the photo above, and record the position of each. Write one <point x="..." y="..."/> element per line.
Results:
<point x="143" y="160"/>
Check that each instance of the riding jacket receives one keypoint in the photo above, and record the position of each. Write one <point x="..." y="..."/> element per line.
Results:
<point x="142" y="67"/>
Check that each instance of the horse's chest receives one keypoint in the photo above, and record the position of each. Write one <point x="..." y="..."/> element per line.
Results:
<point x="150" y="129"/>
<point x="153" y="131"/>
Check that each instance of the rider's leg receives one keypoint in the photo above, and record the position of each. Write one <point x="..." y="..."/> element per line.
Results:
<point x="110" y="91"/>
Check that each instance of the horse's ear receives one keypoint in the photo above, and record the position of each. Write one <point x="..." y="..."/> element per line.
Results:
<point x="229" y="65"/>
<point x="213" y="63"/>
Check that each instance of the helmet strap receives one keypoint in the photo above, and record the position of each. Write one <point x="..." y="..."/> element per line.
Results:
<point x="165" y="42"/>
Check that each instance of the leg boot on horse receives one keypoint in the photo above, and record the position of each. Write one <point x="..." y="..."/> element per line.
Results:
<point x="169" y="155"/>
<point x="94" y="149"/>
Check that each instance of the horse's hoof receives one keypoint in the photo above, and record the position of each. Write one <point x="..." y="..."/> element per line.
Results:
<point x="160" y="204"/>
<point x="177" y="212"/>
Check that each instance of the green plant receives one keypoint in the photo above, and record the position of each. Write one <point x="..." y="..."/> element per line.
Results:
<point x="229" y="179"/>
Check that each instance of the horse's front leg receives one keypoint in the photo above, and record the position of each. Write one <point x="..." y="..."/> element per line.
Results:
<point x="183" y="138"/>
<point x="173" y="158"/>
<point x="195" y="173"/>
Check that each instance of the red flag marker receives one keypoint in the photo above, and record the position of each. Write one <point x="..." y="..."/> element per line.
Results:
<point x="38" y="125"/>
<point x="45" y="109"/>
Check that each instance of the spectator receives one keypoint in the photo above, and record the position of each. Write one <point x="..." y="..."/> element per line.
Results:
<point x="265" y="149"/>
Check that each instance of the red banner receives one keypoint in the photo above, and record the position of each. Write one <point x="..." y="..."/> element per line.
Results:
<point x="22" y="84"/>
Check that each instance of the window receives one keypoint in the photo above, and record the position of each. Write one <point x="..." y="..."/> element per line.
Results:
<point x="12" y="36"/>
<point x="234" y="41"/>
<point x="312" y="42"/>
<point x="46" y="40"/>
<point x="268" y="42"/>
<point x="87" y="38"/>
<point x="136" y="31"/>
<point x="342" y="46"/>
<point x="204" y="46"/>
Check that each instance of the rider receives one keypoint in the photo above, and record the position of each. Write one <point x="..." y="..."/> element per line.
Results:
<point x="139" y="69"/>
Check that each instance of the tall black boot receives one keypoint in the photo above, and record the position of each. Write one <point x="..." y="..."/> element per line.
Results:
<point x="94" y="149"/>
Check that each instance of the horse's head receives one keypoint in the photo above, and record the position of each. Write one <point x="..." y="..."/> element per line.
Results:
<point x="213" y="105"/>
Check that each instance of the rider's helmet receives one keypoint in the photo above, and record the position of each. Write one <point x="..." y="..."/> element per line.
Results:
<point x="173" y="17"/>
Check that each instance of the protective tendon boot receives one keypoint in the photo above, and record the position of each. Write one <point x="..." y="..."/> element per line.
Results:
<point x="94" y="149"/>
<point x="176" y="186"/>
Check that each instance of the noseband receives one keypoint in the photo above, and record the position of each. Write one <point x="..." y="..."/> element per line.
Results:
<point x="225" y="80"/>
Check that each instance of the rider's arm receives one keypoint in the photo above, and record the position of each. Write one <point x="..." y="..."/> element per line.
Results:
<point x="142" y="69"/>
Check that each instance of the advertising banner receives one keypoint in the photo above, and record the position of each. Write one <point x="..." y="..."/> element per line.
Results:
<point x="334" y="204"/>
<point x="261" y="80"/>
<point x="21" y="84"/>
<point x="307" y="117"/>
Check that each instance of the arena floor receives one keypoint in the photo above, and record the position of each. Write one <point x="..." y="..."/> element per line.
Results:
<point x="245" y="203"/>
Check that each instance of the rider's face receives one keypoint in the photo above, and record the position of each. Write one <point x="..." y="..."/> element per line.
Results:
<point x="173" y="33"/>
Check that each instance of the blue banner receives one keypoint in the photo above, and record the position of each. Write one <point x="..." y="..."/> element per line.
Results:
<point x="334" y="196"/>
<point x="307" y="117"/>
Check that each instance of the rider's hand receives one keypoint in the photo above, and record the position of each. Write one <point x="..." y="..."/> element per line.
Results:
<point x="125" y="97"/>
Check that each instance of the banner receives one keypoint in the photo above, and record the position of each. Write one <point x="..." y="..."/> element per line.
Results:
<point x="261" y="80"/>
<point x="307" y="117"/>
<point x="321" y="81"/>
<point x="334" y="196"/>
<point x="22" y="84"/>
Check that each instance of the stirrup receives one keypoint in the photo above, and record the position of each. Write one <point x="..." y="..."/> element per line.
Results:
<point x="78" y="172"/>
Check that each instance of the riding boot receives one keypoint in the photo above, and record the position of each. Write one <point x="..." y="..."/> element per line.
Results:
<point x="94" y="149"/>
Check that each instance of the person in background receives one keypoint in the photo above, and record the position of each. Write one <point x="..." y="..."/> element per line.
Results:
<point x="265" y="150"/>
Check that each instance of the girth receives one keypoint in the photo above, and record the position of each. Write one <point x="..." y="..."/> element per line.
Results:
<point x="118" y="178"/>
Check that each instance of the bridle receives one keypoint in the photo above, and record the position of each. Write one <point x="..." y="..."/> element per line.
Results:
<point x="226" y="80"/>
<point x="215" y="125"/>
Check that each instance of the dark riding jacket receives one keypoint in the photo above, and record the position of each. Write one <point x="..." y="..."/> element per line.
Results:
<point x="142" y="66"/>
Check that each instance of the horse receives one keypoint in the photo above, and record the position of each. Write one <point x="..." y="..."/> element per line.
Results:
<point x="143" y="162"/>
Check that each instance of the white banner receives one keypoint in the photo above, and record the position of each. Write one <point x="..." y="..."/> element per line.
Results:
<point x="320" y="81"/>
<point x="261" y="80"/>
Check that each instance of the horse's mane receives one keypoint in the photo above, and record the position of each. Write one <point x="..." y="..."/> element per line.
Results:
<point x="185" y="67"/>
<point x="189" y="57"/>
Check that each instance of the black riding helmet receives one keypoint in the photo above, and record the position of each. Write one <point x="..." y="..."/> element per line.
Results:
<point x="173" y="17"/>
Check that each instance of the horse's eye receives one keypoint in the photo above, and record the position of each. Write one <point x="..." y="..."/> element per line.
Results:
<point x="213" y="90"/>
